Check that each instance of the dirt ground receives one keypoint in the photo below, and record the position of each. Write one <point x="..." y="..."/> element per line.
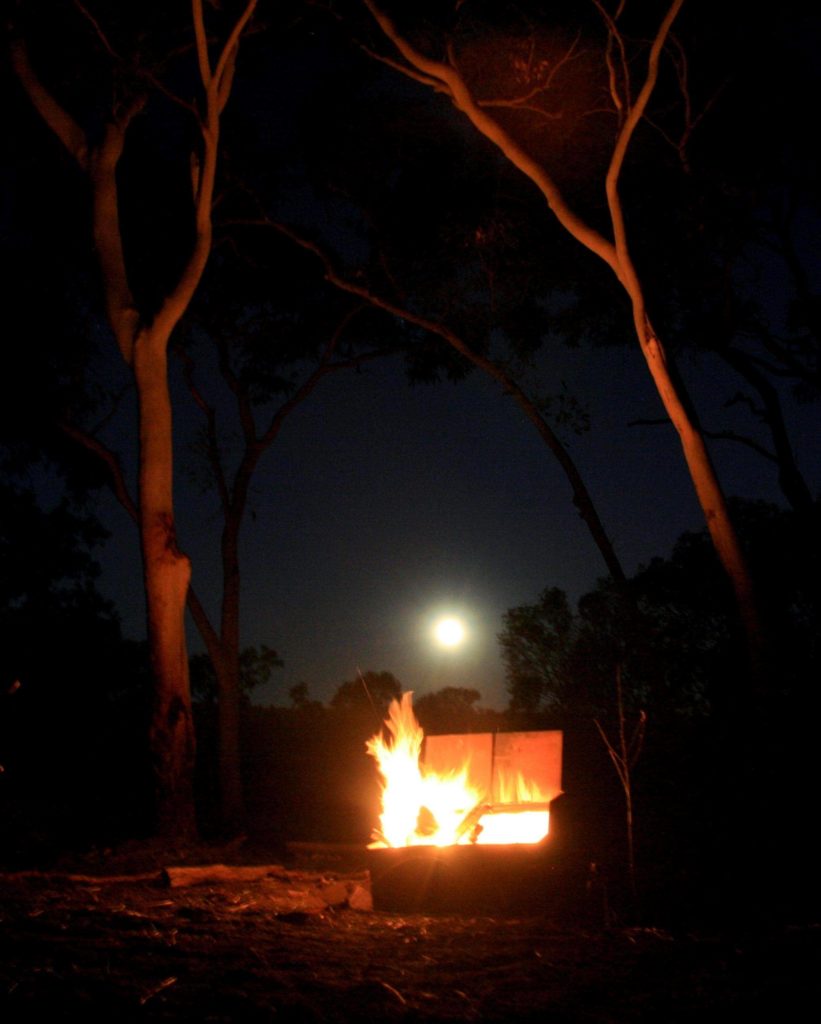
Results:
<point x="113" y="939"/>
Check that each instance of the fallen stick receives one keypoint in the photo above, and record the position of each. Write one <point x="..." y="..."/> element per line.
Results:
<point x="61" y="876"/>
<point x="181" y="876"/>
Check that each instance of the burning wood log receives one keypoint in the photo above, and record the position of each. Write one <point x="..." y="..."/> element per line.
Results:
<point x="471" y="820"/>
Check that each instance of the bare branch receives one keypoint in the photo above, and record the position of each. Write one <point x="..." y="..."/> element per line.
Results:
<point x="325" y="367"/>
<point x="111" y="462"/>
<point x="226" y="80"/>
<point x="634" y="115"/>
<point x="160" y="86"/>
<point x="67" y="130"/>
<point x="541" y="86"/>
<point x="97" y="29"/>
<point x="624" y="777"/>
<point x="614" y="37"/>
<point x="216" y="88"/>
<point x="715" y="435"/>
<point x="202" y="42"/>
<point x="731" y="435"/>
<point x="492" y="130"/>
<point x="679" y="60"/>
<point x="202" y="622"/>
<point x="100" y="164"/>
<point x="581" y="496"/>
<point x="229" y="51"/>
<point x="516" y="104"/>
<point x="403" y="69"/>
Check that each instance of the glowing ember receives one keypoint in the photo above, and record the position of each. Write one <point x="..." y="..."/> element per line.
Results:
<point x="424" y="807"/>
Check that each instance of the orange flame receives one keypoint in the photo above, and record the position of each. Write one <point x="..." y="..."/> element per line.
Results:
<point x="422" y="807"/>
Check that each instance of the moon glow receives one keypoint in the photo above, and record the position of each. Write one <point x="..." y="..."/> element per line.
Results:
<point x="449" y="632"/>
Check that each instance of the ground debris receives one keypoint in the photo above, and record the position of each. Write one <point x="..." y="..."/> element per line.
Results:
<point x="165" y="983"/>
<point x="289" y="945"/>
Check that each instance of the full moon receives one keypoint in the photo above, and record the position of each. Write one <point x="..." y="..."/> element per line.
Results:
<point x="449" y="632"/>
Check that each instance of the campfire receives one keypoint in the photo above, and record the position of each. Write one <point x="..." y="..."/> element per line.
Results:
<point x="477" y="789"/>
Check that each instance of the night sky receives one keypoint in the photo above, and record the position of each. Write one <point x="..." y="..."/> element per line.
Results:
<point x="382" y="504"/>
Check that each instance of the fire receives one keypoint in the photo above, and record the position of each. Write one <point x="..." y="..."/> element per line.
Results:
<point x="424" y="807"/>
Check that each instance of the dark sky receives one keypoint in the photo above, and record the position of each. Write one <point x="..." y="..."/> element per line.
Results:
<point x="381" y="505"/>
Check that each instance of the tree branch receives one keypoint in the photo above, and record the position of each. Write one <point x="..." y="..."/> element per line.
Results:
<point x="119" y="300"/>
<point x="227" y="59"/>
<point x="731" y="435"/>
<point x="216" y="94"/>
<point x="581" y="496"/>
<point x="633" y="116"/>
<point x="97" y="29"/>
<point x="67" y="130"/>
<point x="202" y="42"/>
<point x="100" y="164"/>
<point x="325" y="367"/>
<point x="111" y="462"/>
<point x="463" y="99"/>
<point x="521" y="102"/>
<point x="615" y="37"/>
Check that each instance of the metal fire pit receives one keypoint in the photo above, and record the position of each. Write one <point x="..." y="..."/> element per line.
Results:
<point x="452" y="879"/>
<point x="474" y="877"/>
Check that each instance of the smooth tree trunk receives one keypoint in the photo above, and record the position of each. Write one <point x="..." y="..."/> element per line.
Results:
<point x="710" y="494"/>
<point x="445" y="76"/>
<point x="166" y="574"/>
<point x="142" y="338"/>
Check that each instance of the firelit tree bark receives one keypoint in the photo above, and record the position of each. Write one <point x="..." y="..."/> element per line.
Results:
<point x="629" y="105"/>
<point x="143" y="337"/>
<point x="166" y="573"/>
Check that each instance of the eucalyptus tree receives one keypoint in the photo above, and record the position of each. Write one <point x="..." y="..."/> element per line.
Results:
<point x="450" y="257"/>
<point x="137" y="107"/>
<point x="563" y="96"/>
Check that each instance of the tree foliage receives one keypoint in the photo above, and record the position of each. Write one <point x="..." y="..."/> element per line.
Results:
<point x="371" y="692"/>
<point x="255" y="667"/>
<point x="677" y="644"/>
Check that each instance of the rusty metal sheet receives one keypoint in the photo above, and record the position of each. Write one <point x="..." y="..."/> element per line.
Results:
<point x="537" y="756"/>
<point x="490" y="757"/>
<point x="450" y="753"/>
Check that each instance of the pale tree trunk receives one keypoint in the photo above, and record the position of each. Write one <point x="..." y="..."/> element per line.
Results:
<point x="444" y="76"/>
<point x="166" y="573"/>
<point x="143" y="344"/>
<point x="708" y="490"/>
